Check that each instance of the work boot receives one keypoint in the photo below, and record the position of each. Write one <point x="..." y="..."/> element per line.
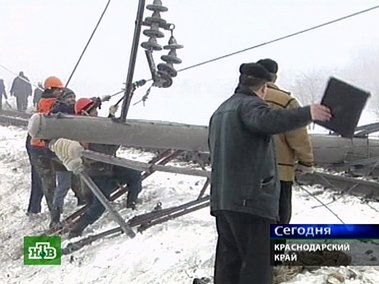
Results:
<point x="78" y="229"/>
<point x="55" y="215"/>
<point x="131" y="205"/>
<point x="131" y="200"/>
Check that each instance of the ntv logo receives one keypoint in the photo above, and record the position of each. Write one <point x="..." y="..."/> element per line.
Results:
<point x="42" y="250"/>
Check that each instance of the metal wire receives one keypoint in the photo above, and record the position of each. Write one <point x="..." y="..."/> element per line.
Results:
<point x="280" y="38"/>
<point x="89" y="40"/>
<point x="322" y="203"/>
<point x="275" y="40"/>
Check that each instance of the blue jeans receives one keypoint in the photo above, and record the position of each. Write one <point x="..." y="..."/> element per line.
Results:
<point x="36" y="193"/>
<point x="64" y="184"/>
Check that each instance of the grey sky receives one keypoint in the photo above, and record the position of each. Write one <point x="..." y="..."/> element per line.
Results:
<point x="45" y="38"/>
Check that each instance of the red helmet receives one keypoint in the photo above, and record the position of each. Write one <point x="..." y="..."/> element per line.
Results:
<point x="53" y="82"/>
<point x="85" y="105"/>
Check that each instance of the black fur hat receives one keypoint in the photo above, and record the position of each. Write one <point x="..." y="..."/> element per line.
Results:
<point x="270" y="65"/>
<point x="255" y="70"/>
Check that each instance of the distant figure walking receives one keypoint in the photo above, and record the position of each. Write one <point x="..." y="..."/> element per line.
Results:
<point x="21" y="89"/>
<point x="37" y="94"/>
<point x="2" y="93"/>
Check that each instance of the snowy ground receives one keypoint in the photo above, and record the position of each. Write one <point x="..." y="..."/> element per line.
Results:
<point x="173" y="252"/>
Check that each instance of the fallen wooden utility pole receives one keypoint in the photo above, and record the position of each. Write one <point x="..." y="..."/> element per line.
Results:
<point x="100" y="196"/>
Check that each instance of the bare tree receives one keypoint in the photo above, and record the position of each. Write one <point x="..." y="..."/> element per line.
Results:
<point x="362" y="72"/>
<point x="309" y="87"/>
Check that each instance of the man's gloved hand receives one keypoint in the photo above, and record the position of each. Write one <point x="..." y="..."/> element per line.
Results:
<point x="301" y="169"/>
<point x="69" y="152"/>
<point x="113" y="110"/>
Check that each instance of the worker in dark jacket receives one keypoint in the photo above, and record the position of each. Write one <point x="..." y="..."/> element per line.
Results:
<point x="244" y="182"/>
<point x="21" y="89"/>
<point x="2" y="93"/>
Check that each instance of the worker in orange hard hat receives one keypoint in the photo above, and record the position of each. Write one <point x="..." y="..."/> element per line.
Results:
<point x="106" y="176"/>
<point x="55" y="98"/>
<point x="53" y="82"/>
<point x="89" y="106"/>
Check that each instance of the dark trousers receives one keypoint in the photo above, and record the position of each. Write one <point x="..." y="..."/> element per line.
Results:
<point x="108" y="185"/>
<point x="36" y="192"/>
<point x="285" y="202"/>
<point x="132" y="178"/>
<point x="22" y="103"/>
<point x="243" y="249"/>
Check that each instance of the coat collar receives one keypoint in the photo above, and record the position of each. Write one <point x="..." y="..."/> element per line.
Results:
<point x="242" y="89"/>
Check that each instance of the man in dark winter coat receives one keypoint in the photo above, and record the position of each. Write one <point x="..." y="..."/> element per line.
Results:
<point x="21" y="89"/>
<point x="244" y="185"/>
<point x="2" y="93"/>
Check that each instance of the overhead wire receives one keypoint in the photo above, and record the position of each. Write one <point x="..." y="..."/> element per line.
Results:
<point x="276" y="40"/>
<point x="88" y="42"/>
<point x="280" y="38"/>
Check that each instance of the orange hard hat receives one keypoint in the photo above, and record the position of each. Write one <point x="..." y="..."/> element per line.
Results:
<point x="53" y="82"/>
<point x="85" y="105"/>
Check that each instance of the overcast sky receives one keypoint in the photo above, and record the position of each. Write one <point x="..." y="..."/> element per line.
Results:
<point x="46" y="37"/>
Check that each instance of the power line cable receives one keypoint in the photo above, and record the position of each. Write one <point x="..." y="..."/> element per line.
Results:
<point x="322" y="203"/>
<point x="280" y="38"/>
<point x="276" y="39"/>
<point x="89" y="40"/>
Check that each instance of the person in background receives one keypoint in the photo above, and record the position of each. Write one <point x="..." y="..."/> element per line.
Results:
<point x="2" y="93"/>
<point x="291" y="147"/>
<point x="245" y="185"/>
<point x="21" y="89"/>
<point x="37" y="94"/>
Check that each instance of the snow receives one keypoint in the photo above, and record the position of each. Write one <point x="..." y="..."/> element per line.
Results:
<point x="172" y="252"/>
